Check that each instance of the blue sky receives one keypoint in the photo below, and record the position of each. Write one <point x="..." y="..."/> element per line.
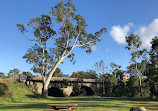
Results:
<point x="120" y="17"/>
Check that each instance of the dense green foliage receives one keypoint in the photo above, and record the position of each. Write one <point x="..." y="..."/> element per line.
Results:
<point x="152" y="70"/>
<point x="89" y="74"/>
<point x="58" y="73"/>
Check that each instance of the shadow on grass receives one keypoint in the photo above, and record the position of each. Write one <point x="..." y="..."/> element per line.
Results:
<point x="131" y="99"/>
<point x="25" y="106"/>
<point x="35" y="96"/>
<point x="43" y="106"/>
<point x="93" y="98"/>
<point x="3" y="89"/>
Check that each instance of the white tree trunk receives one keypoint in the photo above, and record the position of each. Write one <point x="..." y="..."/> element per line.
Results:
<point x="47" y="81"/>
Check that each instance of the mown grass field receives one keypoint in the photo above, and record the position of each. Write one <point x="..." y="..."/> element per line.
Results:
<point x="18" y="97"/>
<point x="85" y="103"/>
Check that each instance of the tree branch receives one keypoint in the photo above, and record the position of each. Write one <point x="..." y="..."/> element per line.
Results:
<point x="30" y="39"/>
<point x="90" y="42"/>
<point x="76" y="38"/>
<point x="72" y="45"/>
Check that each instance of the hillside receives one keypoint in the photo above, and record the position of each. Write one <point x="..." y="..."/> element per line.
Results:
<point x="11" y="90"/>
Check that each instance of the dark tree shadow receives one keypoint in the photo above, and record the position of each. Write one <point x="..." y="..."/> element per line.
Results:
<point x="35" y="96"/>
<point x="27" y="106"/>
<point x="56" y="92"/>
<point x="87" y="91"/>
<point x="3" y="89"/>
<point x="95" y="98"/>
<point x="42" y="106"/>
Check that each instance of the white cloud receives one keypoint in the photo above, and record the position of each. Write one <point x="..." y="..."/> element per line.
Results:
<point x="118" y="33"/>
<point x="148" y="32"/>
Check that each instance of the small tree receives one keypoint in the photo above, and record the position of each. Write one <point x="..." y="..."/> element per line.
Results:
<point x="27" y="73"/>
<point x="71" y="32"/>
<point x="89" y="74"/>
<point x="14" y="73"/>
<point x="58" y="73"/>
<point x="138" y="55"/>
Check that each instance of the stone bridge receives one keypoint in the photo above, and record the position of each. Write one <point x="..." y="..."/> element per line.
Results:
<point x="62" y="86"/>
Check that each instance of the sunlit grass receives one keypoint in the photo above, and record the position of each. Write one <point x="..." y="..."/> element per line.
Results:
<point x="18" y="97"/>
<point x="85" y="103"/>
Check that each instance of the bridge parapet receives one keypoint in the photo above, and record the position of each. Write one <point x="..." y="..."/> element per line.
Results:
<point x="54" y="79"/>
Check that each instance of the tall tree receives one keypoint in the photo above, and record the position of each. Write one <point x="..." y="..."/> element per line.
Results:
<point x="101" y="69"/>
<point x="115" y="69"/>
<point x="153" y="67"/>
<point x="71" y="32"/>
<point x="117" y="74"/>
<point x="137" y="54"/>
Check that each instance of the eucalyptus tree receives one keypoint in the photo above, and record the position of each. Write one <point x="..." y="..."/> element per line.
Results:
<point x="101" y="69"/>
<point x="154" y="53"/>
<point x="66" y="30"/>
<point x="115" y="69"/>
<point x="137" y="55"/>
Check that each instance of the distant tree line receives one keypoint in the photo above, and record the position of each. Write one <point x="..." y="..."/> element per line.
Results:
<point x="15" y="74"/>
<point x="142" y="72"/>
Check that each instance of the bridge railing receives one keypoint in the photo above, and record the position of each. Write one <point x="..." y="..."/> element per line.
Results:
<point x="53" y="79"/>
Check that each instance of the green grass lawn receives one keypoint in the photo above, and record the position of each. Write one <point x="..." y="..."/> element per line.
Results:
<point x="86" y="103"/>
<point x="15" y="96"/>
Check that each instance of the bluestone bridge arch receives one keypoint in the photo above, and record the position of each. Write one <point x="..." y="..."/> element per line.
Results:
<point x="65" y="85"/>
